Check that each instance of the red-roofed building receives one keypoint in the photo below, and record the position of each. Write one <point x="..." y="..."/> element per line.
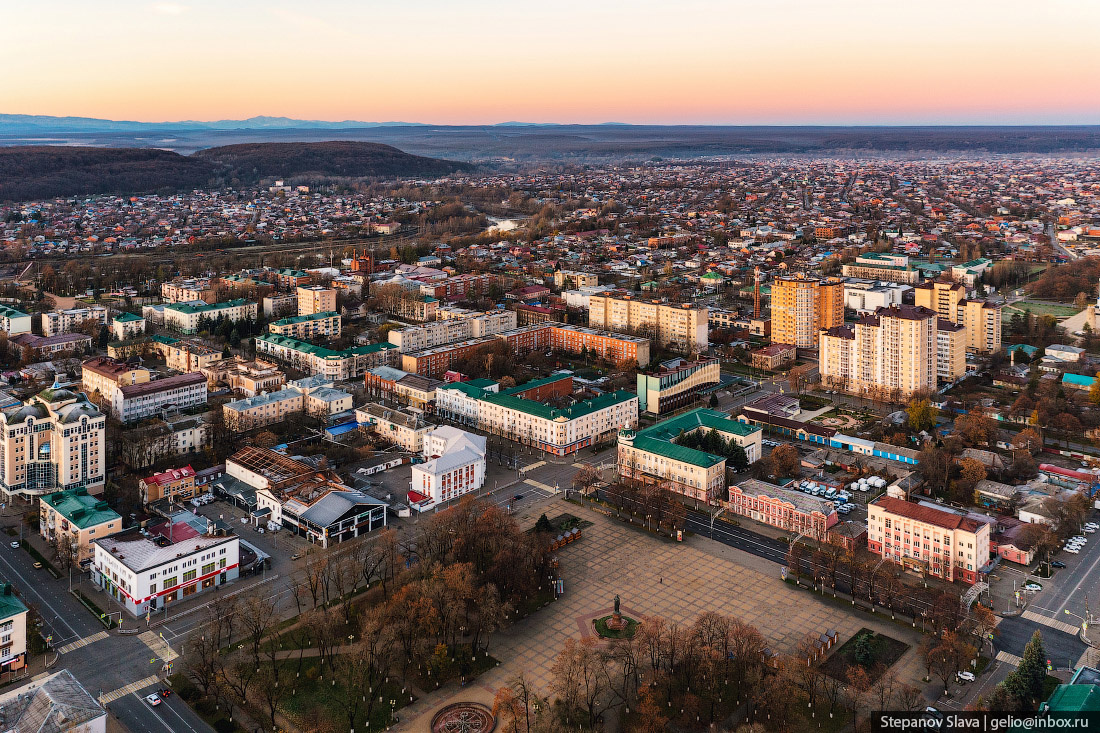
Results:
<point x="934" y="541"/>
<point x="177" y="484"/>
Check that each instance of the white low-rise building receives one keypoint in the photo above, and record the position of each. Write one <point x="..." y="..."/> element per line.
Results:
<point x="185" y="317"/>
<point x="67" y="321"/>
<point x="134" y="402"/>
<point x="454" y="465"/>
<point x="145" y="572"/>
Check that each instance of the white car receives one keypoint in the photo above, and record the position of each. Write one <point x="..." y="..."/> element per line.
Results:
<point x="1079" y="538"/>
<point x="1089" y="530"/>
<point x="965" y="676"/>
<point x="1094" y="525"/>
<point x="1073" y="550"/>
<point x="153" y="699"/>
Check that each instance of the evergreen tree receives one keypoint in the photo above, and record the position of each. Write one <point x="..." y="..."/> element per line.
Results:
<point x="1033" y="668"/>
<point x="738" y="459"/>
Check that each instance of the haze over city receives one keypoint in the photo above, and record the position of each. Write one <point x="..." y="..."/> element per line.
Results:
<point x="490" y="61"/>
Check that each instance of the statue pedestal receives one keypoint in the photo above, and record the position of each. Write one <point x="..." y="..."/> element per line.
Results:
<point x="616" y="623"/>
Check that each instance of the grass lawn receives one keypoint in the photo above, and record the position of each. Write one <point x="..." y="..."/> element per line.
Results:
<point x="885" y="650"/>
<point x="314" y="698"/>
<point x="626" y="632"/>
<point x="1038" y="308"/>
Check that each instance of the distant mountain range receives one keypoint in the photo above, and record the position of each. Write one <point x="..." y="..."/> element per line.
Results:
<point x="40" y="124"/>
<point x="33" y="172"/>
<point x="26" y="124"/>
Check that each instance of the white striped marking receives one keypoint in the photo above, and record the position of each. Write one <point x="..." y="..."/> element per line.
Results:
<point x="539" y="485"/>
<point x="159" y="646"/>
<point x="1052" y="623"/>
<point x="532" y="467"/>
<point x="1008" y="658"/>
<point x="113" y="695"/>
<point x="71" y="646"/>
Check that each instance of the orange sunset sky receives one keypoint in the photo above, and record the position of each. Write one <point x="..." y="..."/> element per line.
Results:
<point x="486" y="61"/>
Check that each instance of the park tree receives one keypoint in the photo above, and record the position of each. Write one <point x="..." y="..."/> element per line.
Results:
<point x="784" y="461"/>
<point x="922" y="415"/>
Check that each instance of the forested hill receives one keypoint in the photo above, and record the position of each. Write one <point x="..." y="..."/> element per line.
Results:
<point x="37" y="172"/>
<point x="330" y="159"/>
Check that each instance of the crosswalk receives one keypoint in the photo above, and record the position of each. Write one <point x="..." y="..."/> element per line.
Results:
<point x="79" y="643"/>
<point x="113" y="695"/>
<point x="1051" y="622"/>
<point x="1008" y="658"/>
<point x="532" y="466"/>
<point x="540" y="485"/>
<point x="159" y="646"/>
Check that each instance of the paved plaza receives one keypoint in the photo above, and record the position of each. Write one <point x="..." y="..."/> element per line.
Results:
<point x="658" y="577"/>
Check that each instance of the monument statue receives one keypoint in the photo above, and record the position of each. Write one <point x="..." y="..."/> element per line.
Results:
<point x="616" y="604"/>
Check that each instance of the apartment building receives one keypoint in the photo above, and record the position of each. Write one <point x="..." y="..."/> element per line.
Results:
<point x="13" y="633"/>
<point x="127" y="326"/>
<point x="176" y="484"/>
<point x="280" y="305"/>
<point x="146" y="573"/>
<point x="350" y="363"/>
<point x="458" y="287"/>
<point x="185" y="317"/>
<point x="950" y="350"/>
<point x="791" y="511"/>
<point x="557" y="430"/>
<point x="316" y="299"/>
<point x="454" y="465"/>
<point x="435" y="361"/>
<point x="14" y="322"/>
<point x="878" y="266"/>
<point x="74" y="519"/>
<point x="802" y="306"/>
<point x="403" y="429"/>
<point x="676" y="383"/>
<point x="453" y="326"/>
<point x="248" y="378"/>
<point x="47" y="347"/>
<point x="101" y="376"/>
<point x="53" y="441"/>
<point x="136" y="402"/>
<point x="677" y="326"/>
<point x="185" y="355"/>
<point x="286" y="277"/>
<point x="982" y="320"/>
<point x="572" y="279"/>
<point x="651" y="456"/>
<point x="613" y="347"/>
<point x="926" y="539"/>
<point x="416" y="391"/>
<point x="182" y="291"/>
<point x="67" y="321"/>
<point x="314" y="396"/>
<point x="323" y="325"/>
<point x="893" y="352"/>
<point x="941" y="296"/>
<point x="461" y="401"/>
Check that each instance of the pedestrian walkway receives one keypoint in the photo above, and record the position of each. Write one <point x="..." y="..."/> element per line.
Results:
<point x="1008" y="658"/>
<point x="80" y="643"/>
<point x="113" y="695"/>
<point x="540" y="485"/>
<point x="159" y="646"/>
<point x="532" y="467"/>
<point x="1052" y="623"/>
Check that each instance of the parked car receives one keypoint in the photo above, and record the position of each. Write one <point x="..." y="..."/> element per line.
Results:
<point x="965" y="676"/>
<point x="1057" y="564"/>
<point x="1034" y="587"/>
<point x="1073" y="550"/>
<point x="14" y="545"/>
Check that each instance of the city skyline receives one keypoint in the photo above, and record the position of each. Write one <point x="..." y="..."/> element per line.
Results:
<point x="794" y="62"/>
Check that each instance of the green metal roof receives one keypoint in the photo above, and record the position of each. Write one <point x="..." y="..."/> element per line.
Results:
<point x="580" y="409"/>
<point x="127" y="317"/>
<point x="211" y="307"/>
<point x="8" y="312"/>
<point x="81" y="509"/>
<point x="304" y="319"/>
<point x="1074" y="698"/>
<point x="658" y="438"/>
<point x="10" y="604"/>
<point x="467" y="388"/>
<point x="320" y="351"/>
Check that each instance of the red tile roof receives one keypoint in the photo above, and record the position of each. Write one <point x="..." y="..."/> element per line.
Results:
<point x="927" y="514"/>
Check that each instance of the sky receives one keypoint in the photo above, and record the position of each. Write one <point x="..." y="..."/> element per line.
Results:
<point x="569" y="61"/>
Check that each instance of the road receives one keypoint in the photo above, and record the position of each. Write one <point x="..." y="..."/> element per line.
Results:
<point x="63" y="616"/>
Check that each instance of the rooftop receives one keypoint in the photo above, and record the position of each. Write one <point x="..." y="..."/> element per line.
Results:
<point x="131" y="391"/>
<point x="81" y="509"/>
<point x="207" y="307"/>
<point x="659" y="438"/>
